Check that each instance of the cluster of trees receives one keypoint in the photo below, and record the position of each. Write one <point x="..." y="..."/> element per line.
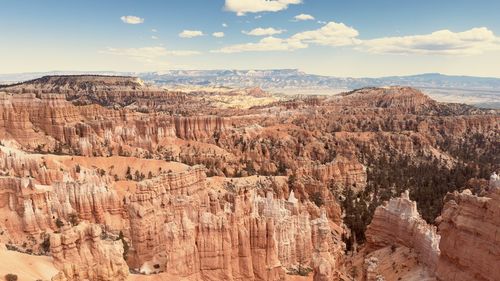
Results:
<point x="428" y="181"/>
<point x="427" y="178"/>
<point x="137" y="176"/>
<point x="358" y="209"/>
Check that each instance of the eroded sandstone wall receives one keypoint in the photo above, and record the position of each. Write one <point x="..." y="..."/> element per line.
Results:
<point x="399" y="223"/>
<point x="174" y="223"/>
<point x="47" y="122"/>
<point x="470" y="237"/>
<point x="227" y="236"/>
<point x="80" y="253"/>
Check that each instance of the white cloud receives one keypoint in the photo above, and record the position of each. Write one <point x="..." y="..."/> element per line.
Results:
<point x="263" y="31"/>
<point x="132" y="19"/>
<point x="303" y="17"/>
<point x="331" y="34"/>
<point x="154" y="30"/>
<point x="240" y="7"/>
<point x="219" y="34"/>
<point x="147" y="54"/>
<point x="265" y="44"/>
<point x="442" y="42"/>
<point x="446" y="42"/>
<point x="190" y="33"/>
<point x="224" y="24"/>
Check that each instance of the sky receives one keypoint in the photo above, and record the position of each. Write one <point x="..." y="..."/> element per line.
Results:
<point x="355" y="38"/>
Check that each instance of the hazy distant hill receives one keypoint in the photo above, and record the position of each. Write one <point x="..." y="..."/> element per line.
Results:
<point x="479" y="91"/>
<point x="294" y="78"/>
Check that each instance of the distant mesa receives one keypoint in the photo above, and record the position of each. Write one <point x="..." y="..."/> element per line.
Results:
<point x="105" y="90"/>
<point x="64" y="83"/>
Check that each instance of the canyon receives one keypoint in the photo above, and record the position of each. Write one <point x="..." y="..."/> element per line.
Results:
<point x="111" y="178"/>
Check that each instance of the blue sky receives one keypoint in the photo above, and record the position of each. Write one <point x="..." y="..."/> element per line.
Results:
<point x="342" y="38"/>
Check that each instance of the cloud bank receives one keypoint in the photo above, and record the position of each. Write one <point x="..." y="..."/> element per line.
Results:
<point x="331" y="34"/>
<point x="446" y="42"/>
<point x="442" y="42"/>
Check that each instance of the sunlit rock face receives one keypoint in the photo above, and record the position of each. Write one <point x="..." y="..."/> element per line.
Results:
<point x="399" y="223"/>
<point x="342" y="171"/>
<point x="174" y="223"/>
<point x="36" y="191"/>
<point x="239" y="236"/>
<point x="48" y="122"/>
<point x="470" y="241"/>
<point x="125" y="176"/>
<point x="80" y="253"/>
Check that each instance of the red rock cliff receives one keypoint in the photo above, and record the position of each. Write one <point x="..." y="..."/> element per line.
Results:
<point x="470" y="237"/>
<point x="399" y="223"/>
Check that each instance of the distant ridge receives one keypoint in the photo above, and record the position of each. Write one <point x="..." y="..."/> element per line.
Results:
<point x="482" y="91"/>
<point x="47" y="78"/>
<point x="276" y="78"/>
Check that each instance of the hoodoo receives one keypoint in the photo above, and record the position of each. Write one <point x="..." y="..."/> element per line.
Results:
<point x="113" y="178"/>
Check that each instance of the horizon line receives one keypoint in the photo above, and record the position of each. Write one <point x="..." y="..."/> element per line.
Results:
<point x="90" y="72"/>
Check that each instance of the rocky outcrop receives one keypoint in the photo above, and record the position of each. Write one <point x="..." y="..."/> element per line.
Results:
<point x="199" y="128"/>
<point x="470" y="242"/>
<point x="278" y="215"/>
<point x="173" y="223"/>
<point x="342" y="172"/>
<point x="195" y="232"/>
<point x="399" y="223"/>
<point x="109" y="91"/>
<point x="392" y="263"/>
<point x="400" y="98"/>
<point x="326" y="259"/>
<point x="371" y="270"/>
<point x="35" y="192"/>
<point x="49" y="123"/>
<point x="80" y="253"/>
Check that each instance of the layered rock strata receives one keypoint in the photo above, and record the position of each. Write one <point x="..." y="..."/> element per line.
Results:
<point x="470" y="238"/>
<point x="49" y="123"/>
<point x="399" y="223"/>
<point x="35" y="192"/>
<point x="80" y="253"/>
<point x="227" y="236"/>
<point x="342" y="172"/>
<point x="172" y="223"/>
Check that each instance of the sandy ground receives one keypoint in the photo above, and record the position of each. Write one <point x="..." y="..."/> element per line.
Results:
<point x="26" y="267"/>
